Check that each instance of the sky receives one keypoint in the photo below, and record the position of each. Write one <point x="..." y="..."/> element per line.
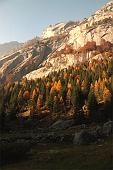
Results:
<point x="21" y="20"/>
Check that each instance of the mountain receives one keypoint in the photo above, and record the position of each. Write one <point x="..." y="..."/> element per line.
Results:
<point x="8" y="47"/>
<point x="59" y="46"/>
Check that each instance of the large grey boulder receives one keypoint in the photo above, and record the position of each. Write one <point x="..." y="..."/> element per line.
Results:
<point x="108" y="128"/>
<point x="62" y="124"/>
<point x="84" y="137"/>
<point x="99" y="132"/>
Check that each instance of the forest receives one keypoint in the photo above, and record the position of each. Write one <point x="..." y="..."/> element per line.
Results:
<point x="83" y="91"/>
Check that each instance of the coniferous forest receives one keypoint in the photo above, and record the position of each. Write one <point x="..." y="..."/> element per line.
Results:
<point x="83" y="91"/>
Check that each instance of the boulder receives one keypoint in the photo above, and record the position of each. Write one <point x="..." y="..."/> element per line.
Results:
<point x="62" y="124"/>
<point x="84" y="137"/>
<point x="55" y="138"/>
<point x="108" y="128"/>
<point x="99" y="132"/>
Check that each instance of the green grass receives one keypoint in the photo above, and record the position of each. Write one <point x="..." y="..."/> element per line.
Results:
<point x="67" y="157"/>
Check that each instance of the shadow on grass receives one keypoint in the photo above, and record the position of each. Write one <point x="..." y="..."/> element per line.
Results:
<point x="13" y="152"/>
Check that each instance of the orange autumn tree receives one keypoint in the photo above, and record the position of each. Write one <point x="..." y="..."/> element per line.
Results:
<point x="53" y="87"/>
<point x="26" y="95"/>
<point x="106" y="95"/>
<point x="39" y="102"/>
<point x="56" y="86"/>
<point x="20" y="94"/>
<point x="61" y="104"/>
<point x="34" y="94"/>
<point x="65" y="75"/>
<point x="98" y="89"/>
<point x="59" y="86"/>
<point x="69" y="86"/>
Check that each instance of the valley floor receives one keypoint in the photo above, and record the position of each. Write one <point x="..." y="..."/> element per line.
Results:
<point x="67" y="157"/>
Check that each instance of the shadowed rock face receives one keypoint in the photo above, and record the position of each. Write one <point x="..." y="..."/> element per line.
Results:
<point x="40" y="56"/>
<point x="84" y="137"/>
<point x="22" y="62"/>
<point x="8" y="47"/>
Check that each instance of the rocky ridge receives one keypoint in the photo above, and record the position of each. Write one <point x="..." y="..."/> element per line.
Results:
<point x="9" y="47"/>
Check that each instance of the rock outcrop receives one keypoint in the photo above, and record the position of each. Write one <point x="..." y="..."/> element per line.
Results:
<point x="62" y="124"/>
<point x="84" y="137"/>
<point x="108" y="128"/>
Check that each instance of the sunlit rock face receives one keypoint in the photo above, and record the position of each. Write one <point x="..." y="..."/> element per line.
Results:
<point x="96" y="27"/>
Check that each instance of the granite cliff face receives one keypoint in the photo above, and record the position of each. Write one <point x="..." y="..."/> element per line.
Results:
<point x="40" y="56"/>
<point x="96" y="27"/>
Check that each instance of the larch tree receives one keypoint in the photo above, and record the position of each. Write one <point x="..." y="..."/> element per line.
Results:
<point x="92" y="104"/>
